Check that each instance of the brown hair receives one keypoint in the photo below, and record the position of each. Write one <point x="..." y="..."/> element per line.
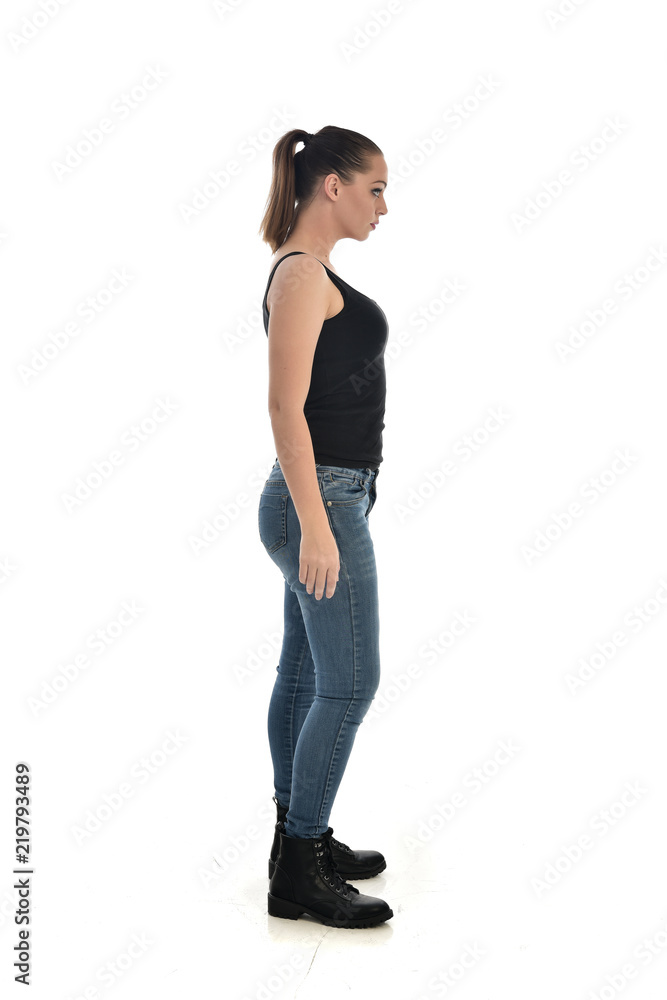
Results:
<point x="332" y="150"/>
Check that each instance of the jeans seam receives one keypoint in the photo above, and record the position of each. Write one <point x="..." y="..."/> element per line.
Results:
<point x="333" y="756"/>
<point x="292" y="701"/>
<point x="355" y="685"/>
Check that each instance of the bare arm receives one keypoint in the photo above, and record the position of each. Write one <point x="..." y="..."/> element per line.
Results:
<point x="297" y="309"/>
<point x="294" y="448"/>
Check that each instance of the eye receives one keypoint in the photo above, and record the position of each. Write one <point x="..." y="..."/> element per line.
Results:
<point x="379" y="190"/>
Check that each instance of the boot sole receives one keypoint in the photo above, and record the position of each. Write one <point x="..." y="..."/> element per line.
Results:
<point x="292" y="911"/>
<point x="346" y="876"/>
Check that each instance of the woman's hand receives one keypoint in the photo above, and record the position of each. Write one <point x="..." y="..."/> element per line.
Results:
<point x="319" y="562"/>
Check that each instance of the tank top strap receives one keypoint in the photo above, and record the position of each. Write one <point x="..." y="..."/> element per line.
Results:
<point x="273" y="269"/>
<point x="333" y="277"/>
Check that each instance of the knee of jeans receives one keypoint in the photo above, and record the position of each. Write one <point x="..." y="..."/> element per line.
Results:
<point x="367" y="691"/>
<point x="358" y="709"/>
<point x="373" y="682"/>
<point x="367" y="688"/>
<point x="360" y="694"/>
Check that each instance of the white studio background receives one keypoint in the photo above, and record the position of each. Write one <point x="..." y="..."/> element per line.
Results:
<point x="512" y="768"/>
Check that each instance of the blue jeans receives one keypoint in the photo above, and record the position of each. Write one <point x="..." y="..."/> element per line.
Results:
<point x="329" y="669"/>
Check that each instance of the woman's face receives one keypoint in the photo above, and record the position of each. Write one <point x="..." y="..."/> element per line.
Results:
<point x="362" y="202"/>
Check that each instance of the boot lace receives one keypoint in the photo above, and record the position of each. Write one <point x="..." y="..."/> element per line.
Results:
<point x="327" y="867"/>
<point x="341" y="846"/>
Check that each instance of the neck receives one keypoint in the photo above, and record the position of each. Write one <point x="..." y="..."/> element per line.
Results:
<point x="312" y="239"/>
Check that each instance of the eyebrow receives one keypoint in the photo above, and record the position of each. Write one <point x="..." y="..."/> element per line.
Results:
<point x="379" y="182"/>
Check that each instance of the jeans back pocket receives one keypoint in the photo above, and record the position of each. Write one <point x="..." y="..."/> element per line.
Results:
<point x="272" y="520"/>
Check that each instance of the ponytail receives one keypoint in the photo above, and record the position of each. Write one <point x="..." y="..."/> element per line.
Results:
<point x="297" y="175"/>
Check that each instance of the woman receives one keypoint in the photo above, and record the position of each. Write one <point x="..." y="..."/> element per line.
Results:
<point x="326" y="401"/>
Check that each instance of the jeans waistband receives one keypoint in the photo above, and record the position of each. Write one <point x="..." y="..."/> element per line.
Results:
<point x="366" y="475"/>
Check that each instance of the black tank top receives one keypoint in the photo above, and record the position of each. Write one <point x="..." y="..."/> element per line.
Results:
<point x="345" y="405"/>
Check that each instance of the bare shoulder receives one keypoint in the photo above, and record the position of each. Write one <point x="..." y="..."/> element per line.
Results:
<point x="300" y="273"/>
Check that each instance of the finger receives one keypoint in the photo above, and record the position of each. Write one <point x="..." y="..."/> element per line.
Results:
<point x="331" y="585"/>
<point x="303" y="576"/>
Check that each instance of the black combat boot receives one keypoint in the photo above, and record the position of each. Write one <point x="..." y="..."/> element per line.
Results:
<point x="349" y="863"/>
<point x="305" y="880"/>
